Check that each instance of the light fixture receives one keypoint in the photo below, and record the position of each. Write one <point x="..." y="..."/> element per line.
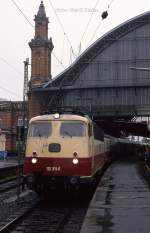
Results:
<point x="34" y="160"/>
<point x="56" y="115"/>
<point x="75" y="161"/>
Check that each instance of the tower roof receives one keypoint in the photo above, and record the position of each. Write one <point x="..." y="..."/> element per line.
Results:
<point x="41" y="15"/>
<point x="41" y="11"/>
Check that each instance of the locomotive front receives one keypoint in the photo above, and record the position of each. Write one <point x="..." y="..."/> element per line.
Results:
<point x="58" y="150"/>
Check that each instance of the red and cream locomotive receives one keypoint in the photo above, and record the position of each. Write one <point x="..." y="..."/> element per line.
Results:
<point x="63" y="150"/>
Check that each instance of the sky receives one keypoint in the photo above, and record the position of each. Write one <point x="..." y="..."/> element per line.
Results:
<point x="74" y="25"/>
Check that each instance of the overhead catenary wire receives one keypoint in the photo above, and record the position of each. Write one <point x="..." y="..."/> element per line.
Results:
<point x="22" y="13"/>
<point x="63" y="45"/>
<point x="88" y="23"/>
<point x="58" y="60"/>
<point x="109" y="5"/>
<point x="12" y="67"/>
<point x="103" y="16"/>
<point x="95" y="32"/>
<point x="11" y="92"/>
<point x="19" y="73"/>
<point x="62" y="27"/>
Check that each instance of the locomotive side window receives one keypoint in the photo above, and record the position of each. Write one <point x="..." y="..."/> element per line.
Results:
<point x="40" y="129"/>
<point x="98" y="133"/>
<point x="73" y="129"/>
<point x="89" y="130"/>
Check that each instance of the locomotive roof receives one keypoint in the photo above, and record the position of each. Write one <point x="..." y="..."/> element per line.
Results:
<point x="62" y="117"/>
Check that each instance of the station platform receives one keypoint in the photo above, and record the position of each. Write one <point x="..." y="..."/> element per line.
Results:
<point x="9" y="162"/>
<point x="121" y="203"/>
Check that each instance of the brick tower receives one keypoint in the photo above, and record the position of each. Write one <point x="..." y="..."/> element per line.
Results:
<point x="41" y="48"/>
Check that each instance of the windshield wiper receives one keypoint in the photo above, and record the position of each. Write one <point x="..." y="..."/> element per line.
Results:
<point x="67" y="133"/>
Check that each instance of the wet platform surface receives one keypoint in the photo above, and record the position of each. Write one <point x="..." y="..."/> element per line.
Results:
<point x="121" y="203"/>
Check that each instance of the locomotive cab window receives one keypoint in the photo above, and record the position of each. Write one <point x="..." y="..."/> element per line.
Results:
<point x="40" y="129"/>
<point x="73" y="129"/>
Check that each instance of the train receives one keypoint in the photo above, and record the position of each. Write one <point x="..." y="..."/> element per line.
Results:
<point x="64" y="150"/>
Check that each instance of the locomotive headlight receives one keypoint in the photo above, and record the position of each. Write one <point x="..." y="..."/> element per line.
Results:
<point x="75" y="161"/>
<point x="34" y="160"/>
<point x="56" y="115"/>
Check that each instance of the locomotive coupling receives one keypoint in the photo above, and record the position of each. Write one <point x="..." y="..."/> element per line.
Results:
<point x="74" y="180"/>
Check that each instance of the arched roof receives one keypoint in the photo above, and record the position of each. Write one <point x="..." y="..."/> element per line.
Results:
<point x="69" y="75"/>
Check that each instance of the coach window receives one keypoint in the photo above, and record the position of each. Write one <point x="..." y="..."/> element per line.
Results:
<point x="40" y="129"/>
<point x="72" y="129"/>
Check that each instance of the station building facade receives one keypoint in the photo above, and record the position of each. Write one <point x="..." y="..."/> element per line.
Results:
<point x="10" y="118"/>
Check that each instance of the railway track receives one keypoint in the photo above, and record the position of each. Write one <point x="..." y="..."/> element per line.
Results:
<point x="40" y="219"/>
<point x="57" y="216"/>
<point x="16" y="218"/>
<point x="10" y="184"/>
<point x="10" y="171"/>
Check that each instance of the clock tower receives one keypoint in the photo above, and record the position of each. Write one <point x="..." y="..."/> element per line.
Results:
<point x="41" y="48"/>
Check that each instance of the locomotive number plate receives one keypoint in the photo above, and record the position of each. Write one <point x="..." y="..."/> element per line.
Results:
<point x="53" y="169"/>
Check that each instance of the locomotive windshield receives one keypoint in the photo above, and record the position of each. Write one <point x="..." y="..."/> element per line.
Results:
<point x="40" y="129"/>
<point x="72" y="129"/>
